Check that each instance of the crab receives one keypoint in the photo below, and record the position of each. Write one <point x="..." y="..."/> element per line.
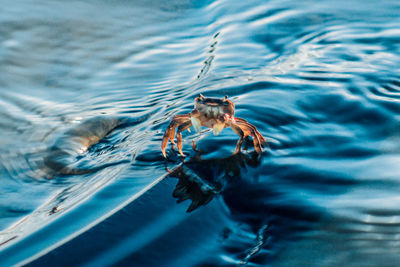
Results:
<point x="212" y="113"/>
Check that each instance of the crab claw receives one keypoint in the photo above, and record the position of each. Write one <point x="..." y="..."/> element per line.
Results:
<point x="196" y="124"/>
<point x="218" y="127"/>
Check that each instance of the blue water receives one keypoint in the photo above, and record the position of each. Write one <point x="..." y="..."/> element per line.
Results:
<point x="319" y="79"/>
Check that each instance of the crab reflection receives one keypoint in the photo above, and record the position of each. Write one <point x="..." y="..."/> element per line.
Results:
<point x="201" y="180"/>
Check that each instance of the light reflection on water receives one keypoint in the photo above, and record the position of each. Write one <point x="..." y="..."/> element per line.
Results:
<point x="318" y="79"/>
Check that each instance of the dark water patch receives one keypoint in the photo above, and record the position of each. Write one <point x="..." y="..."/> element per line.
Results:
<point x="342" y="110"/>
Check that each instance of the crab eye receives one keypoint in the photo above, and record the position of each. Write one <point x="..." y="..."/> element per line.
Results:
<point x="225" y="101"/>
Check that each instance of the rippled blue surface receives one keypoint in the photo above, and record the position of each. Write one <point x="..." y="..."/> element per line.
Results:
<point x="319" y="79"/>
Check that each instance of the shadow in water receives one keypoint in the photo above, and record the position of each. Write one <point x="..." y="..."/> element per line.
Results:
<point x="257" y="209"/>
<point x="201" y="180"/>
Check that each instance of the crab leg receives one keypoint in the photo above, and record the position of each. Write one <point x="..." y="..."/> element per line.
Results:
<point x="179" y="120"/>
<point x="170" y="132"/>
<point x="241" y="134"/>
<point x="251" y="130"/>
<point x="242" y="121"/>
<point x="181" y="128"/>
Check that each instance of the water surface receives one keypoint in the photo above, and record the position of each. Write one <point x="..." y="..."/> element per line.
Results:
<point x="318" y="79"/>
